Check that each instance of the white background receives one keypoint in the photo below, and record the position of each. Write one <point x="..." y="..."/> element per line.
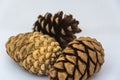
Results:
<point x="98" y="18"/>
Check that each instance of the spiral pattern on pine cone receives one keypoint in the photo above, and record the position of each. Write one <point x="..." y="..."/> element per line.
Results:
<point x="34" y="51"/>
<point x="63" y="29"/>
<point x="81" y="59"/>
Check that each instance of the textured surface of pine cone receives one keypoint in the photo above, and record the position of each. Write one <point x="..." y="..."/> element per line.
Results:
<point x="63" y="29"/>
<point x="33" y="51"/>
<point x="81" y="59"/>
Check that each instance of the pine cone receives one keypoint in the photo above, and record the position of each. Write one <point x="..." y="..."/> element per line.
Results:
<point x="59" y="27"/>
<point x="82" y="58"/>
<point x="34" y="51"/>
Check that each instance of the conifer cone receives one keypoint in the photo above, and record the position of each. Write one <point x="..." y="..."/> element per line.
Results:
<point x="81" y="59"/>
<point x="33" y="51"/>
<point x="63" y="29"/>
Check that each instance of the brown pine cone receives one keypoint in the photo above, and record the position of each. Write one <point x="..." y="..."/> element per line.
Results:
<point x="34" y="51"/>
<point x="63" y="29"/>
<point x="81" y="59"/>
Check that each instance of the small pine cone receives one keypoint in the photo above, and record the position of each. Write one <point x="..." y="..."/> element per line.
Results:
<point x="81" y="59"/>
<point x="63" y="29"/>
<point x="34" y="51"/>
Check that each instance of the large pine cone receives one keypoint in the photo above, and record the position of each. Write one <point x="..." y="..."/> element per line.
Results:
<point x="57" y="26"/>
<point x="82" y="58"/>
<point x="34" y="51"/>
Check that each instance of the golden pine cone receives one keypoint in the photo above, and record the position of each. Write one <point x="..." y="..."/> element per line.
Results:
<point x="34" y="51"/>
<point x="81" y="59"/>
<point x="57" y="26"/>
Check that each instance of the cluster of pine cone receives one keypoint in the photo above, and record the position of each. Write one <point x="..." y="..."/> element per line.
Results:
<point x="53" y="49"/>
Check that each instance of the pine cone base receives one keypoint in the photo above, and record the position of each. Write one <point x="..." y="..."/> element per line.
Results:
<point x="81" y="59"/>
